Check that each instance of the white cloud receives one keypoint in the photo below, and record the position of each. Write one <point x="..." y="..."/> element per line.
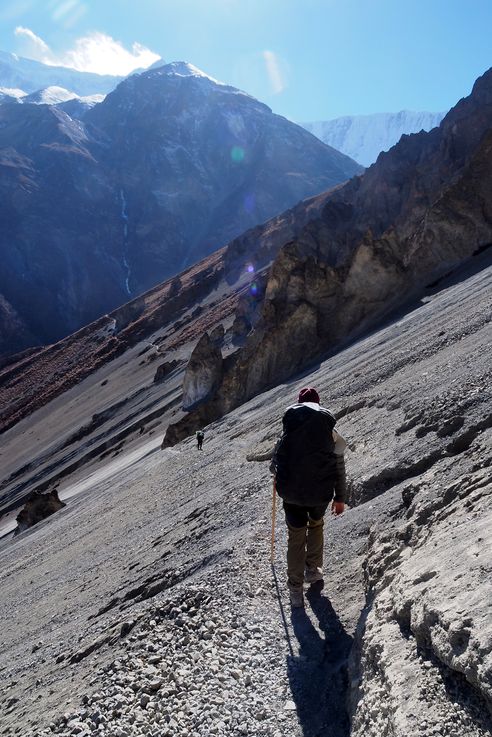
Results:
<point x="34" y="45"/>
<point x="95" y="52"/>
<point x="275" y="75"/>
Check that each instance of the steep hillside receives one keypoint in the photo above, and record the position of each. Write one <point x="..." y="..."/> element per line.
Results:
<point x="363" y="137"/>
<point x="148" y="604"/>
<point x="424" y="208"/>
<point x="169" y="167"/>
<point x="287" y="292"/>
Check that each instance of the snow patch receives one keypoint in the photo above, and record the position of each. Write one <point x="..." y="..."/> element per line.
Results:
<point x="184" y="69"/>
<point x="13" y="92"/>
<point x="235" y="122"/>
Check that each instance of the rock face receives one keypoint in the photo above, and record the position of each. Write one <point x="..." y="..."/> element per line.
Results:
<point x="38" y="506"/>
<point x="363" y="137"/>
<point x="164" y="370"/>
<point x="425" y="207"/>
<point x="169" y="167"/>
<point x="203" y="373"/>
<point x="428" y="626"/>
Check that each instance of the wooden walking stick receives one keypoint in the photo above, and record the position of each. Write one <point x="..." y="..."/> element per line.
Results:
<point x="274" y="500"/>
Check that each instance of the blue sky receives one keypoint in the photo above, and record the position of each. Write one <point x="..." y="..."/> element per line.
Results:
<point x="307" y="59"/>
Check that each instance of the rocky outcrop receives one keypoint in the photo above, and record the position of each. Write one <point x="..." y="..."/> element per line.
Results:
<point x="428" y="629"/>
<point x="168" y="168"/>
<point x="164" y="369"/>
<point x="423" y="209"/>
<point x="38" y="506"/>
<point x="203" y="373"/>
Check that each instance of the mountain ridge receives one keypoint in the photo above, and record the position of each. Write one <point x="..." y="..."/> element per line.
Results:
<point x="364" y="137"/>
<point x="151" y="602"/>
<point x="159" y="147"/>
<point x="378" y="240"/>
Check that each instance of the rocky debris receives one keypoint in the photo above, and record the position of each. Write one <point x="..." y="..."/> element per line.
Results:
<point x="203" y="373"/>
<point x="164" y="369"/>
<point x="198" y="665"/>
<point x="176" y="527"/>
<point x="38" y="506"/>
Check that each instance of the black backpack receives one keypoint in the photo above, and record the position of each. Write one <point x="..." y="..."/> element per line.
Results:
<point x="304" y="460"/>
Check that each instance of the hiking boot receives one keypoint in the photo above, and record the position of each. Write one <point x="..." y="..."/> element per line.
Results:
<point x="296" y="597"/>
<point x="311" y="575"/>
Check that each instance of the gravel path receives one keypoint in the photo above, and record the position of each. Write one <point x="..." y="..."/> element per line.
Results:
<point x="148" y="606"/>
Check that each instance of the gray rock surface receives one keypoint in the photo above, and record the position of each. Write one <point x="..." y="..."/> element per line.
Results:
<point x="203" y="373"/>
<point x="148" y="604"/>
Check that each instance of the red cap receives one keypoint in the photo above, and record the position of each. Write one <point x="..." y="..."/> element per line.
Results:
<point x="308" y="394"/>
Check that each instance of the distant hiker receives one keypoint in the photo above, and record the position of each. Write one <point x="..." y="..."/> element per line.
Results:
<point x="199" y="439"/>
<point x="309" y="471"/>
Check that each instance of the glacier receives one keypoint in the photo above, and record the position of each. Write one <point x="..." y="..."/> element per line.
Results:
<point x="363" y="137"/>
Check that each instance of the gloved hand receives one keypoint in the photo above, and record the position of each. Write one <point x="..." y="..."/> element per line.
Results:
<point x="337" y="508"/>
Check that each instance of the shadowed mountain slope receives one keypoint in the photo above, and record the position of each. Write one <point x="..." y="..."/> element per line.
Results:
<point x="295" y="288"/>
<point x="169" y="167"/>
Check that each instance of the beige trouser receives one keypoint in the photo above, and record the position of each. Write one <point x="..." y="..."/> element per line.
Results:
<point x="304" y="549"/>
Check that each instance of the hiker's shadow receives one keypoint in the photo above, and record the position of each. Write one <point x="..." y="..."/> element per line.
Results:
<point x="317" y="675"/>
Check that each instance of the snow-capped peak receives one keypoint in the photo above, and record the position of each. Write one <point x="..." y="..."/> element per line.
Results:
<point x="363" y="137"/>
<point x="13" y="92"/>
<point x="184" y="69"/>
<point x="50" y="96"/>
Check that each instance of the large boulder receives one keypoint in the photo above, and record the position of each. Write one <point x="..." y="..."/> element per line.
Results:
<point x="203" y="373"/>
<point x="37" y="507"/>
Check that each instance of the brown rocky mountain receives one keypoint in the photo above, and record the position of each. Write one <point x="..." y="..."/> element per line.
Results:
<point x="422" y="209"/>
<point x="169" y="167"/>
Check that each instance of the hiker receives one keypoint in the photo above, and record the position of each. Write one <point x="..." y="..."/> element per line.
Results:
<point x="199" y="439"/>
<point x="309" y="471"/>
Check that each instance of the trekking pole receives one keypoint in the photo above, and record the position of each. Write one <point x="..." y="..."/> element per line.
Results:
<point x="274" y="499"/>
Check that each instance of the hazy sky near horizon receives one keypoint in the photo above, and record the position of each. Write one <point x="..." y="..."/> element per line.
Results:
<point x="307" y="59"/>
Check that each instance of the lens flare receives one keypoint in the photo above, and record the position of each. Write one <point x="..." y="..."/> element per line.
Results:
<point x="250" y="268"/>
<point x="254" y="289"/>
<point x="237" y="154"/>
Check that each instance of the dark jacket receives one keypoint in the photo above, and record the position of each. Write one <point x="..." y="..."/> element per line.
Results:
<point x="308" y="470"/>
